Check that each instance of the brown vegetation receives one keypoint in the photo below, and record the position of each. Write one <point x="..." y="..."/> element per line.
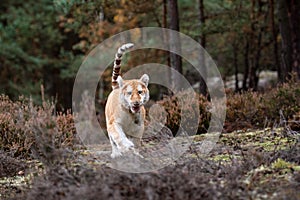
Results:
<point x="242" y="165"/>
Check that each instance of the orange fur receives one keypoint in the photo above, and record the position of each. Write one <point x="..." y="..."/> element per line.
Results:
<point x="125" y="113"/>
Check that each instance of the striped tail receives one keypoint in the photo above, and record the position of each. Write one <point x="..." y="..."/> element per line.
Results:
<point x="117" y="64"/>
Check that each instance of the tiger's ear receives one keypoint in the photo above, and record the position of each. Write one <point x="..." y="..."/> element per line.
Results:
<point x="120" y="81"/>
<point x="145" y="79"/>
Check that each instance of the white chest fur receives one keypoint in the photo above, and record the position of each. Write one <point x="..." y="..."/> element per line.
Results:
<point x="131" y="123"/>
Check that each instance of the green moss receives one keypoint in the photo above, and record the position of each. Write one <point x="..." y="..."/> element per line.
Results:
<point x="282" y="165"/>
<point x="267" y="139"/>
<point x="223" y="157"/>
<point x="16" y="180"/>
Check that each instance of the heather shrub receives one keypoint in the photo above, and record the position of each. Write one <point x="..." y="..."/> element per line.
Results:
<point x="244" y="111"/>
<point x="294" y="122"/>
<point x="53" y="134"/>
<point x="14" y="121"/>
<point x="250" y="110"/>
<point x="66" y="128"/>
<point x="285" y="98"/>
<point x="174" y="109"/>
<point x="24" y="126"/>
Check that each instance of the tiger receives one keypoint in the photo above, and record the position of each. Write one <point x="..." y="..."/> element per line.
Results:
<point x="124" y="111"/>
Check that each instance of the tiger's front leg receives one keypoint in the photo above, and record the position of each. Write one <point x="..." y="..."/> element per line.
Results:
<point x="119" y="142"/>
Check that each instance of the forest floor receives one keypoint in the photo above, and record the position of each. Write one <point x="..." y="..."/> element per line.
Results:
<point x="263" y="164"/>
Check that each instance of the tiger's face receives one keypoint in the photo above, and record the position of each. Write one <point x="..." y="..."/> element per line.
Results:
<point x="134" y="93"/>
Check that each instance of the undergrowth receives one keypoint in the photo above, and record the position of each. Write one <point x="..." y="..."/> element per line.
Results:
<point x="23" y="126"/>
<point x="245" y="110"/>
<point x="39" y="131"/>
<point x="253" y="110"/>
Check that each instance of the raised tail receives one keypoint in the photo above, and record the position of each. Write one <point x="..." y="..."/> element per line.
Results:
<point x="117" y="64"/>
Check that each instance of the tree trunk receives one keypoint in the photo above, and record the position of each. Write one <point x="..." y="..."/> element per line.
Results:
<point x="246" y="63"/>
<point x="289" y="18"/>
<point x="274" y="35"/>
<point x="202" y="23"/>
<point x="295" y="27"/>
<point x="253" y="82"/>
<point x="164" y="24"/>
<point x="174" y="39"/>
<point x="202" y="85"/>
<point x="236" y="67"/>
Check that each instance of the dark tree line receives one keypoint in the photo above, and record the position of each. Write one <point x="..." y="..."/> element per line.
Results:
<point x="44" y="42"/>
<point x="272" y="25"/>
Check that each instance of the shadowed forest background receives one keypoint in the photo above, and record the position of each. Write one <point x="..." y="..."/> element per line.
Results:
<point x="44" y="43"/>
<point x="256" y="46"/>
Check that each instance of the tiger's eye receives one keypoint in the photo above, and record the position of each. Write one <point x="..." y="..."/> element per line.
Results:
<point x="140" y="92"/>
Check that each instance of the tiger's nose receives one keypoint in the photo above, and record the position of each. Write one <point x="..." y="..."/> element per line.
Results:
<point x="136" y="103"/>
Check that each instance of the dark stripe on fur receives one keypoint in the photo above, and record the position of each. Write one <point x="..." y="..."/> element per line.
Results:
<point x="117" y="64"/>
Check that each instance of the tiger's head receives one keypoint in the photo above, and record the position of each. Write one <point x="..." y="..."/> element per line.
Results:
<point x="134" y="93"/>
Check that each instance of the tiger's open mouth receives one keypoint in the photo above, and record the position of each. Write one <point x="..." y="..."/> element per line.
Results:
<point x="135" y="108"/>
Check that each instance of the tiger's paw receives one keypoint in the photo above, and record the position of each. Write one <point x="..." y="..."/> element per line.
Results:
<point x="115" y="153"/>
<point x="127" y="144"/>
